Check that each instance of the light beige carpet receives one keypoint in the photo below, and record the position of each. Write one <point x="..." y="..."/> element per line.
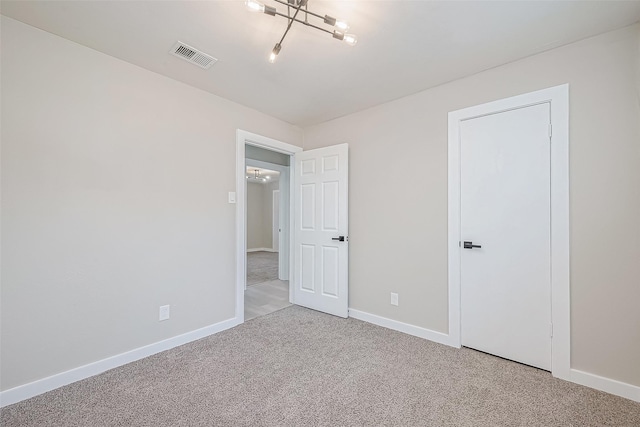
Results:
<point x="298" y="367"/>
<point x="262" y="267"/>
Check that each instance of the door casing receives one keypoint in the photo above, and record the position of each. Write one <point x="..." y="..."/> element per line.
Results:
<point x="247" y="138"/>
<point x="558" y="96"/>
<point x="275" y="225"/>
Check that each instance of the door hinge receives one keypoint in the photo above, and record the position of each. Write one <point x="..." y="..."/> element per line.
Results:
<point x="551" y="330"/>
<point x="550" y="130"/>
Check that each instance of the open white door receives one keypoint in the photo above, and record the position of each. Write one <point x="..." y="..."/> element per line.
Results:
<point x="321" y="230"/>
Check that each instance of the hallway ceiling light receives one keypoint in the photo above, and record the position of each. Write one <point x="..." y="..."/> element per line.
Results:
<point x="293" y="8"/>
<point x="257" y="177"/>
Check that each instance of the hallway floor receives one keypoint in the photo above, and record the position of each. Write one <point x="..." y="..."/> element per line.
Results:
<point x="265" y="293"/>
<point x="265" y="298"/>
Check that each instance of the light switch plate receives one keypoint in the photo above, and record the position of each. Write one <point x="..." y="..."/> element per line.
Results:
<point x="232" y="196"/>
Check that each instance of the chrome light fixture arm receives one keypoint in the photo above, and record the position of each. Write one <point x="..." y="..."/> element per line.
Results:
<point x="298" y="5"/>
<point x="308" y="24"/>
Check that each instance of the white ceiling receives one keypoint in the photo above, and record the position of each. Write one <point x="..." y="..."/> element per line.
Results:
<point x="404" y="46"/>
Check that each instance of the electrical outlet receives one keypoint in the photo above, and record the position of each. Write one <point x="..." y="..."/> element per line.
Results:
<point x="394" y="298"/>
<point x="163" y="313"/>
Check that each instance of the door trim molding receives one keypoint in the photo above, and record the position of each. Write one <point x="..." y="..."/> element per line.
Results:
<point x="558" y="97"/>
<point x="275" y="229"/>
<point x="247" y="138"/>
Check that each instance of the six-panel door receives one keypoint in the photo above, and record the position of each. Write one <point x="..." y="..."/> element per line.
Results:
<point x="321" y="258"/>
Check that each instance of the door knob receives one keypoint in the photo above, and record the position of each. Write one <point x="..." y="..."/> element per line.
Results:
<point x="470" y="245"/>
<point x="339" y="238"/>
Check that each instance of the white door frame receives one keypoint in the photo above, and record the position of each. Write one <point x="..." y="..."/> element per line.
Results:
<point x="558" y="96"/>
<point x="242" y="138"/>
<point x="275" y="228"/>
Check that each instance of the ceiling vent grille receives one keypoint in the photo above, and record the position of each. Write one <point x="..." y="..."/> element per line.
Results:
<point x="193" y="55"/>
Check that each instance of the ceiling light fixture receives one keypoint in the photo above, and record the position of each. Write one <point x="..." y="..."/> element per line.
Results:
<point x="296" y="6"/>
<point x="257" y="177"/>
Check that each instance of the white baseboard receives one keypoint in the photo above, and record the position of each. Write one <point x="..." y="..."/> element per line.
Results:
<point x="406" y="328"/>
<point x="35" y="388"/>
<point x="607" y="385"/>
<point x="26" y="391"/>
<point x="261" y="250"/>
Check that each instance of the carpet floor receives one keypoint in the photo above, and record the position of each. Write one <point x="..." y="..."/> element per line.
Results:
<point x="298" y="367"/>
<point x="261" y="267"/>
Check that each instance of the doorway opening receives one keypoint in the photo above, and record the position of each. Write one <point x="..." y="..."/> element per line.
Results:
<point x="315" y="222"/>
<point x="262" y="266"/>
<point x="267" y="284"/>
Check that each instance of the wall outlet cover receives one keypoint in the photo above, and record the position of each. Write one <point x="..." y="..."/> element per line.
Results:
<point x="394" y="298"/>
<point x="164" y="313"/>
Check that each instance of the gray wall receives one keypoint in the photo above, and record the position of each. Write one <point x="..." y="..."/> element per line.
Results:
<point x="112" y="205"/>
<point x="255" y="216"/>
<point x="260" y="215"/>
<point x="257" y="153"/>
<point x="398" y="219"/>
<point x="114" y="202"/>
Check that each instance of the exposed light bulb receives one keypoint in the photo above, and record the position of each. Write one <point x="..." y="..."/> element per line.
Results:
<point x="254" y="6"/>
<point x="350" y="39"/>
<point x="267" y="177"/>
<point x="264" y="179"/>
<point x="274" y="53"/>
<point x="342" y="25"/>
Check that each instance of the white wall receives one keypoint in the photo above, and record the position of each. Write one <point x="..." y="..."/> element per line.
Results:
<point x="398" y="219"/>
<point x="114" y="202"/>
